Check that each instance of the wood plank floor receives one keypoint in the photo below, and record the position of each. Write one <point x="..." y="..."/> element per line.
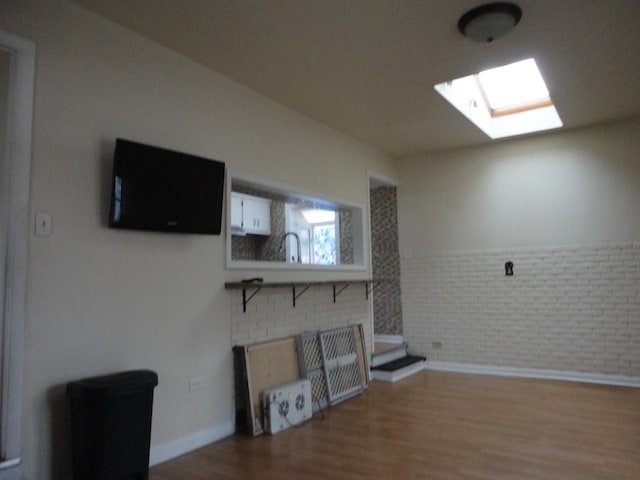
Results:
<point x="439" y="425"/>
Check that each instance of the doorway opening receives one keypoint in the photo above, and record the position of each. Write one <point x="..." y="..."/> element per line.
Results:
<point x="385" y="261"/>
<point x="17" y="68"/>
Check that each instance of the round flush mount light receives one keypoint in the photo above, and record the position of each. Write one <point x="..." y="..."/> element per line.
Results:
<point x="489" y="22"/>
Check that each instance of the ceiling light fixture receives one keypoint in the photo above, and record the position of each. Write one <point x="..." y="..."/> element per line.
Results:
<point x="489" y="22"/>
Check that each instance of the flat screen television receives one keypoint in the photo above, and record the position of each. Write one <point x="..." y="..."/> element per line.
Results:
<point x="162" y="190"/>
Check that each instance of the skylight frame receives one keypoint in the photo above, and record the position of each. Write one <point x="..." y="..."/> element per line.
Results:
<point x="534" y="113"/>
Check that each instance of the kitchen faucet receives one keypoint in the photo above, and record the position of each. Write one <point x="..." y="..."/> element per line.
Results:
<point x="297" y="242"/>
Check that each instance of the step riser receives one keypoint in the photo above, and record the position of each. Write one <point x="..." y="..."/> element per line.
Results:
<point x="388" y="356"/>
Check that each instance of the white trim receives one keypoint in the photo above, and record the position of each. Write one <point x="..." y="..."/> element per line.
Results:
<point x="18" y="158"/>
<point x="377" y="180"/>
<point x="169" y="450"/>
<point x="283" y="189"/>
<point x="388" y="338"/>
<point x="621" y="380"/>
<point x="286" y="189"/>
<point x="266" y="265"/>
<point x="14" y="462"/>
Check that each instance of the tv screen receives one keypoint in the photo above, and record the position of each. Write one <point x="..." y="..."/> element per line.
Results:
<point x="162" y="190"/>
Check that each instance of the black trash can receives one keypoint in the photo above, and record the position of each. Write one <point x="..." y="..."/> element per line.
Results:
<point x="111" y="425"/>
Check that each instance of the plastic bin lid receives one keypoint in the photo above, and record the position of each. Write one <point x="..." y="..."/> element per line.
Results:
<point x="113" y="385"/>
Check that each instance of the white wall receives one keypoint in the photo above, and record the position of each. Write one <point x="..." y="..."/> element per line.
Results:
<point x="566" y="188"/>
<point x="563" y="208"/>
<point x="102" y="300"/>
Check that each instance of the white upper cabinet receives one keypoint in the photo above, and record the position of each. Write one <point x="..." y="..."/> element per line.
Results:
<point x="236" y="211"/>
<point x="251" y="214"/>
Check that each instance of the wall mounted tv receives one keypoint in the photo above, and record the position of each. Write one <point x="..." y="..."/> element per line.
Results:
<point x="162" y="190"/>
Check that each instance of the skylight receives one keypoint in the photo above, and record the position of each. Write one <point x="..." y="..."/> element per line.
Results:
<point x="504" y="101"/>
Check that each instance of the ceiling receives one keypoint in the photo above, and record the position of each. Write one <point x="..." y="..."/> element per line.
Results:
<point x="367" y="67"/>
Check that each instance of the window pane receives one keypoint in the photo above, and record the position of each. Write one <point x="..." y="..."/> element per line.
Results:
<point x="513" y="84"/>
<point x="324" y="244"/>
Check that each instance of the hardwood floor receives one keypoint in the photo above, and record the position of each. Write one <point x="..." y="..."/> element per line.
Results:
<point x="438" y="425"/>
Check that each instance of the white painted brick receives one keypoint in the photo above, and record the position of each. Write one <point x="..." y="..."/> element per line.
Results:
<point x="575" y="308"/>
<point x="271" y="314"/>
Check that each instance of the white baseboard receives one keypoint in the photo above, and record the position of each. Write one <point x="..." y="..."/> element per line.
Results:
<point x="169" y="450"/>
<point x="534" y="373"/>
<point x="388" y="339"/>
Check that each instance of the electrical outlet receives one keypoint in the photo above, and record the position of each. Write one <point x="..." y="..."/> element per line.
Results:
<point x="196" y="383"/>
<point x="436" y="345"/>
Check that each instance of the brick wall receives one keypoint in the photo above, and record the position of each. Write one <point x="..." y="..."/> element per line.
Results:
<point x="270" y="314"/>
<point x="572" y="308"/>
